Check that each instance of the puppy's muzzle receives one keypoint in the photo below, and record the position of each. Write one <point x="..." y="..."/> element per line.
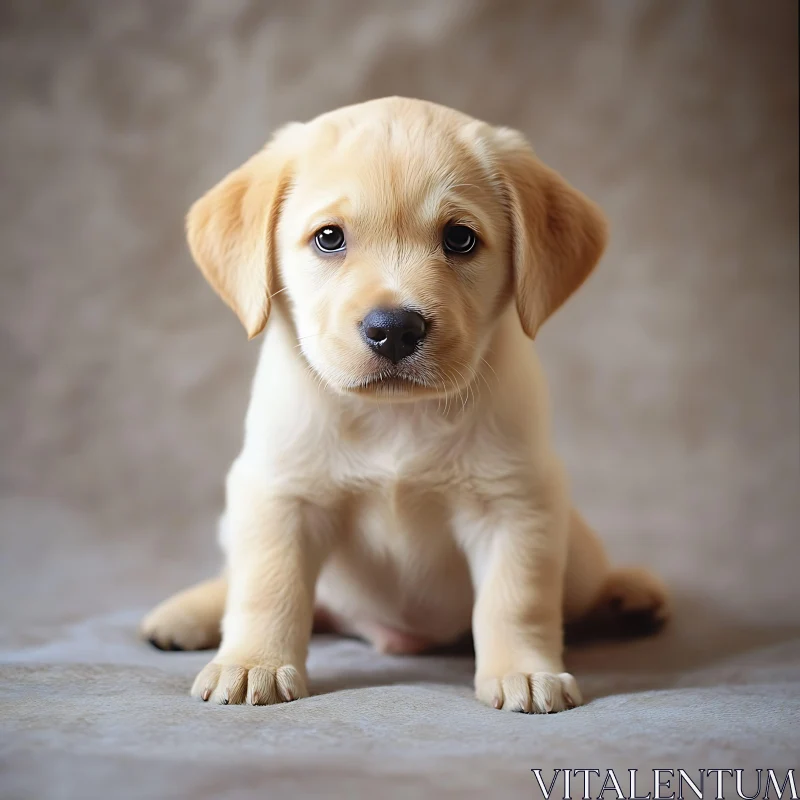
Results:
<point x="393" y="333"/>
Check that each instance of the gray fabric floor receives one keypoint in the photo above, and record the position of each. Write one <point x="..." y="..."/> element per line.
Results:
<point x="123" y="383"/>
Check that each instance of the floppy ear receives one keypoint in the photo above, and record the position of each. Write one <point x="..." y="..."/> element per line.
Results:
<point x="231" y="233"/>
<point x="558" y="233"/>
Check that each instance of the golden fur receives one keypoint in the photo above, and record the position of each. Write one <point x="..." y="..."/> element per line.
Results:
<point x="403" y="503"/>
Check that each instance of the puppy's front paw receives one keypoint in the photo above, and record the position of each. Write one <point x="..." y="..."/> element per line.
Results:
<point x="536" y="693"/>
<point x="256" y="685"/>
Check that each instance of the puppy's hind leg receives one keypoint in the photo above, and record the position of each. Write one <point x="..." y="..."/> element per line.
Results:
<point x="610" y="601"/>
<point x="189" y="620"/>
<point x="635" y="601"/>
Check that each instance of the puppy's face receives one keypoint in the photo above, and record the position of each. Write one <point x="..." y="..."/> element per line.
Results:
<point x="398" y="231"/>
<point x="394" y="251"/>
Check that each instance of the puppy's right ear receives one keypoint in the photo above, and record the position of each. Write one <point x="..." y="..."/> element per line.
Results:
<point x="231" y="233"/>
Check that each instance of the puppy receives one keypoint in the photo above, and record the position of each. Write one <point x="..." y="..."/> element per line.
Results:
<point x="397" y="481"/>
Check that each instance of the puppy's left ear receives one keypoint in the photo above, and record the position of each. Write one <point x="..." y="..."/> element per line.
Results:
<point x="558" y="233"/>
<point x="231" y="233"/>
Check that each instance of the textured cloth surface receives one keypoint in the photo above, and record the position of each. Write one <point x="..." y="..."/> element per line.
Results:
<point x="673" y="372"/>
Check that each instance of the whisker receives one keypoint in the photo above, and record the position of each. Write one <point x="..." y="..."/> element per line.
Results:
<point x="470" y="384"/>
<point x="463" y="399"/>
<point x="301" y="339"/>
<point x="275" y="294"/>
<point x="451" y="395"/>
<point x="446" y="394"/>
<point x="491" y="368"/>
<point x="480" y="374"/>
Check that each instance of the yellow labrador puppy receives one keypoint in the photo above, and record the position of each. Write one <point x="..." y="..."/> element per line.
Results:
<point x="397" y="481"/>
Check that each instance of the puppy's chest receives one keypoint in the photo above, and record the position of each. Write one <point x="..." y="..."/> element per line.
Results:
<point x="399" y="456"/>
<point x="401" y="486"/>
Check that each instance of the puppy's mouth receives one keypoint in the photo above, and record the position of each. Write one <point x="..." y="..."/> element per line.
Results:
<point x="390" y="383"/>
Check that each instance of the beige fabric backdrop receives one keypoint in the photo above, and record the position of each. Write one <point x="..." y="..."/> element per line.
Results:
<point x="123" y="380"/>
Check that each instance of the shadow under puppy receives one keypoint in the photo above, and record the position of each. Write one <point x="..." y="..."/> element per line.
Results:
<point x="397" y="480"/>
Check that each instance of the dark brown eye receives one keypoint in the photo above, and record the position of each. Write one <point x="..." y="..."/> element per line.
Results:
<point x="330" y="239"/>
<point x="459" y="239"/>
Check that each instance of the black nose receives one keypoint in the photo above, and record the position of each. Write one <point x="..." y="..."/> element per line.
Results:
<point x="393" y="332"/>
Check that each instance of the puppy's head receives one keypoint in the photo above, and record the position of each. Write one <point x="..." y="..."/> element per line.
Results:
<point x="397" y="231"/>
